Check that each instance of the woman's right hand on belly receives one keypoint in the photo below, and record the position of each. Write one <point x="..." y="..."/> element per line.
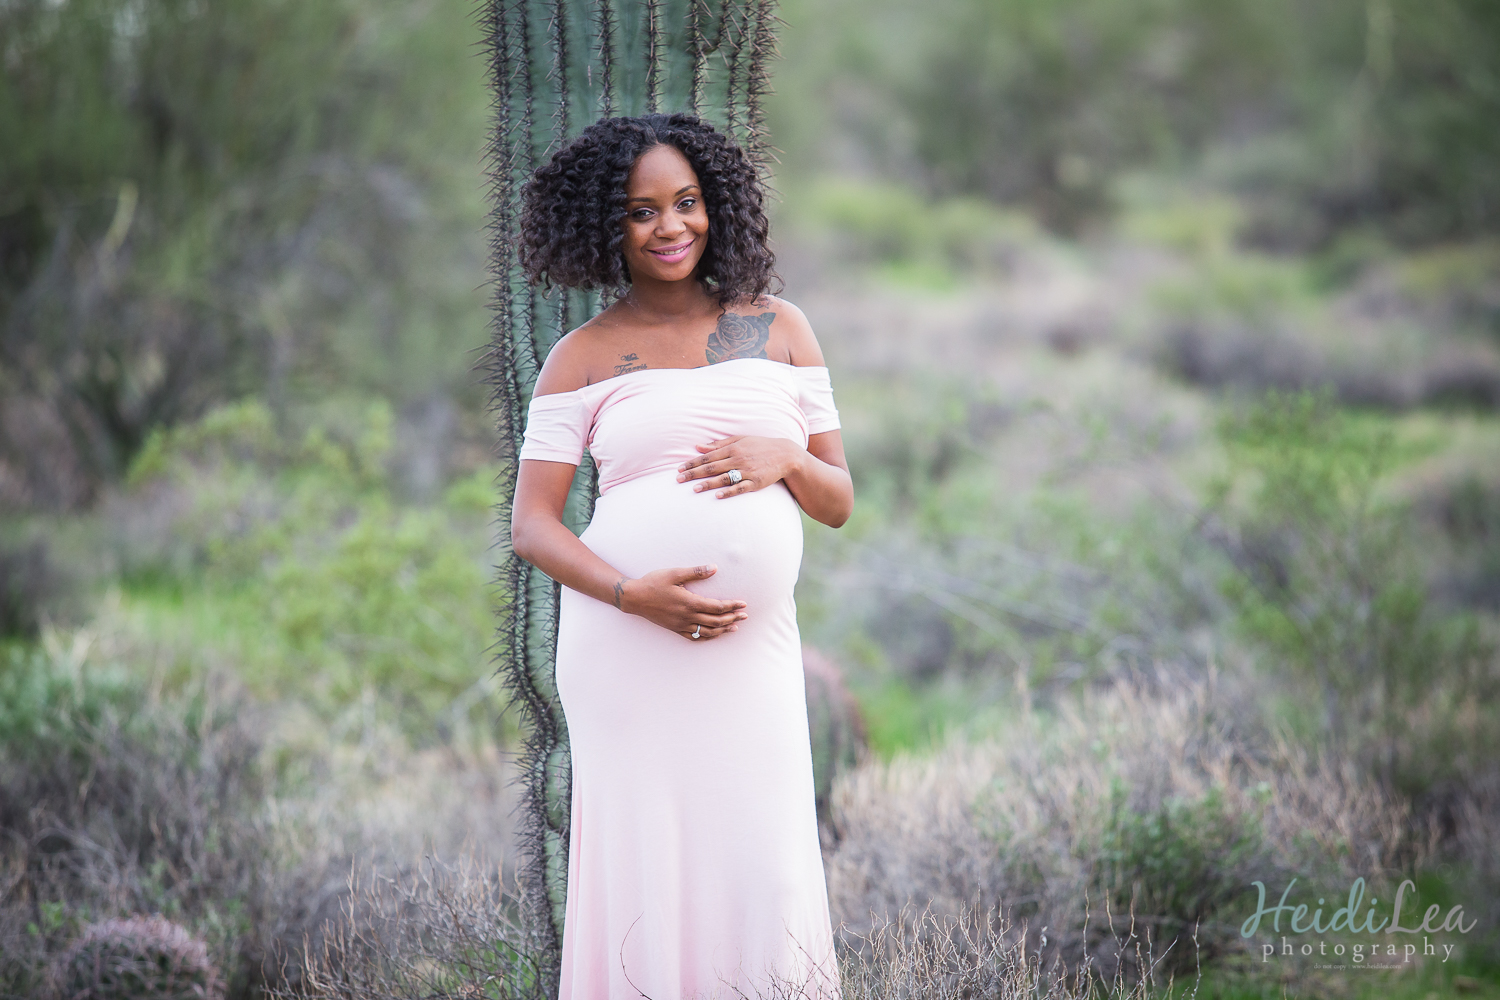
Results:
<point x="660" y="598"/>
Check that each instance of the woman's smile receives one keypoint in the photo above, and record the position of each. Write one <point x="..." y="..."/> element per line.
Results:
<point x="673" y="253"/>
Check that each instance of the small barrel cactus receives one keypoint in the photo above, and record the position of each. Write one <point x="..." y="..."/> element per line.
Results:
<point x="836" y="729"/>
<point x="140" y="958"/>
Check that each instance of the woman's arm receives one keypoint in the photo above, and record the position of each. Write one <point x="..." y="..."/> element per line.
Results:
<point x="817" y="475"/>
<point x="539" y="536"/>
<point x="821" y="481"/>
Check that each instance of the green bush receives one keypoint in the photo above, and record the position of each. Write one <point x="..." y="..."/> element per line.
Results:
<point x="1327" y="577"/>
<point x="289" y="545"/>
<point x="1176" y="869"/>
<point x="395" y="602"/>
<point x="915" y="240"/>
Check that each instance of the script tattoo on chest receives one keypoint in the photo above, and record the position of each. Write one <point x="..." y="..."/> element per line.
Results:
<point x="632" y="363"/>
<point x="739" y="336"/>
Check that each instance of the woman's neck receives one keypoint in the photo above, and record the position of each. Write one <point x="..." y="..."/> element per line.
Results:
<point x="667" y="301"/>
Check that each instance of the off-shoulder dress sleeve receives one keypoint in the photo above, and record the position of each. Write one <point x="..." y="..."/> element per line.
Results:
<point x="557" y="427"/>
<point x="815" y="395"/>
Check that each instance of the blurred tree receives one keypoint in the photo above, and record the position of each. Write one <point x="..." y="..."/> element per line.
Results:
<point x="1432" y="70"/>
<point x="197" y="200"/>
<point x="1329" y="114"/>
<point x="1046" y="101"/>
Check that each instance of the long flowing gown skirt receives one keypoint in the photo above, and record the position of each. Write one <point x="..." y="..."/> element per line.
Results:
<point x="694" y="866"/>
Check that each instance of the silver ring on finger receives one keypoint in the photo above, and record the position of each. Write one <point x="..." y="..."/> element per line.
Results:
<point x="734" y="477"/>
<point x="697" y="629"/>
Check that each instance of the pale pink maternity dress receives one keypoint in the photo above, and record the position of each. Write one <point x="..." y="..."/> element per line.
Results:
<point x="694" y="868"/>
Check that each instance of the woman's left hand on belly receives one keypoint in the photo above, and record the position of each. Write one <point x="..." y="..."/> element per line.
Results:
<point x="761" y="461"/>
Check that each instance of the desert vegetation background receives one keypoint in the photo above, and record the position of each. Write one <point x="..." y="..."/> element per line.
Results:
<point x="1166" y="337"/>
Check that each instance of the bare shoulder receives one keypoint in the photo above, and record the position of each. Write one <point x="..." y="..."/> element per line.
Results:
<point x="567" y="364"/>
<point x="791" y="332"/>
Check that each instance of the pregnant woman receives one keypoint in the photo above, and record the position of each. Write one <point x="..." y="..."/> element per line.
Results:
<point x="694" y="868"/>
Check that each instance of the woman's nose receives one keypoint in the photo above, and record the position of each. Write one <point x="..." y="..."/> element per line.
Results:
<point x="669" y="224"/>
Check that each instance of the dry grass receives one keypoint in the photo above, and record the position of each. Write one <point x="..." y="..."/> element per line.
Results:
<point x="1020" y="825"/>
<point x="453" y="930"/>
<point x="973" y="954"/>
<point x="120" y="795"/>
<point x="437" y="930"/>
<point x="379" y="807"/>
<point x="115" y="800"/>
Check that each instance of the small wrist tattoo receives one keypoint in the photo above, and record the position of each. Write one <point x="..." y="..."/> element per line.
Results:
<point x="619" y="591"/>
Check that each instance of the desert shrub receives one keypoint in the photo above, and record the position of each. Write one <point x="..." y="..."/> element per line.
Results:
<point x="1042" y="593"/>
<point x="1326" y="580"/>
<point x="1031" y="823"/>
<point x="958" y="569"/>
<point x="974" y="953"/>
<point x="1319" y="550"/>
<point x="1239" y="320"/>
<point x="1178" y="867"/>
<point x="292" y="538"/>
<point x="1454" y="283"/>
<point x="117" y="799"/>
<point x="140" y="958"/>
<point x="911" y="437"/>
<point x="982" y="561"/>
<point x="397" y="603"/>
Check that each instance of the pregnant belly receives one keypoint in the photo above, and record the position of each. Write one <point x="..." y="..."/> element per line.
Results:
<point x="655" y="522"/>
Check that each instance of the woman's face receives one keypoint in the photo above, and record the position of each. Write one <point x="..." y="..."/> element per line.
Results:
<point x="666" y="223"/>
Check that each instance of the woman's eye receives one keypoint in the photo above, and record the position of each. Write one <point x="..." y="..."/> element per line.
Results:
<point x="687" y="204"/>
<point x="641" y="213"/>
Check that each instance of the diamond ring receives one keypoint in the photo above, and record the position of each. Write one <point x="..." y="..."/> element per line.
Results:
<point x="734" y="477"/>
<point x="696" y="630"/>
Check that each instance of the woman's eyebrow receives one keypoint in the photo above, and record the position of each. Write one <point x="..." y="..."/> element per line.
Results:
<point x="679" y="191"/>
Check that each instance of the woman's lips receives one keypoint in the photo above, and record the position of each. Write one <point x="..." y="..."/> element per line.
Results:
<point x="671" y="254"/>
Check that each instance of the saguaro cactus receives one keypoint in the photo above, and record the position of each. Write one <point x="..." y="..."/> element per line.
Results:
<point x="555" y="67"/>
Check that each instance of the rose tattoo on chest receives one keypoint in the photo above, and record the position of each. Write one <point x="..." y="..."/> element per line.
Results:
<point x="739" y="336"/>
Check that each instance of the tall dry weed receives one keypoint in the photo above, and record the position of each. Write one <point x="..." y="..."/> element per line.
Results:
<point x="974" y="953"/>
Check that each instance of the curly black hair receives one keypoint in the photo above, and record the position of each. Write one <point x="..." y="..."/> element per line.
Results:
<point x="570" y="231"/>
